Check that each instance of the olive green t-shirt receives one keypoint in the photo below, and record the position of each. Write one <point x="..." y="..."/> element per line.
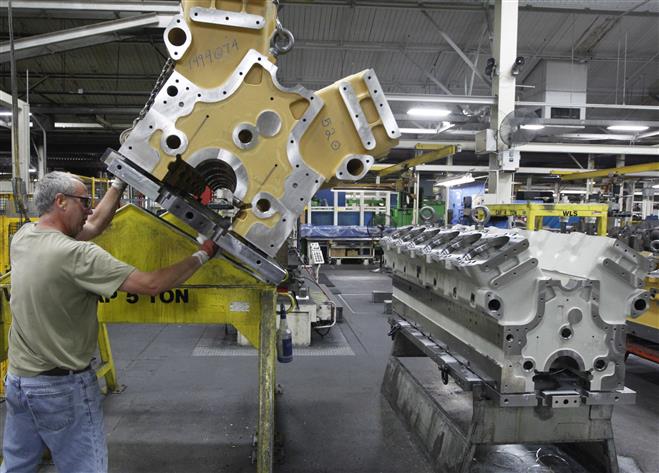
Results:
<point x="56" y="281"/>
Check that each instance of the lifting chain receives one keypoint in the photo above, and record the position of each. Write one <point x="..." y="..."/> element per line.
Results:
<point x="162" y="78"/>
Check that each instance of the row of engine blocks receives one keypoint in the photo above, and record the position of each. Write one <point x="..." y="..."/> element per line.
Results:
<point x="521" y="309"/>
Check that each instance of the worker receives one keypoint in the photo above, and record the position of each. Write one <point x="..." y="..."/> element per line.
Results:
<point x="52" y="394"/>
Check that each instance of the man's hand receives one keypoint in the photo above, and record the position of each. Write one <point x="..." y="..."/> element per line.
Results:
<point x="119" y="185"/>
<point x="206" y="251"/>
<point x="209" y="247"/>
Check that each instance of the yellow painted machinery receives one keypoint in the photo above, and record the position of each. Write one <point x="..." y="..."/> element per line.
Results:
<point x="219" y="293"/>
<point x="535" y="212"/>
<point x="231" y="152"/>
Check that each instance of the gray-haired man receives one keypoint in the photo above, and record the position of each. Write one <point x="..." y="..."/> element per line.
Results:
<point x="53" y="397"/>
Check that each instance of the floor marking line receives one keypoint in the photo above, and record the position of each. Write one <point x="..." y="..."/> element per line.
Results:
<point x="346" y="303"/>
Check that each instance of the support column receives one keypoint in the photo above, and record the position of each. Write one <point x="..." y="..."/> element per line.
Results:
<point x="22" y="136"/>
<point x="267" y="354"/>
<point x="503" y="87"/>
<point x="417" y="195"/>
<point x="620" y="162"/>
<point x="590" y="183"/>
<point x="42" y="158"/>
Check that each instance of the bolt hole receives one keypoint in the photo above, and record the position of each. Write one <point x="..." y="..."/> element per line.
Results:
<point x="173" y="142"/>
<point x="494" y="305"/>
<point x="177" y="36"/>
<point x="600" y="364"/>
<point x="640" y="305"/>
<point x="245" y="136"/>
<point x="263" y="205"/>
<point x="355" y="167"/>
<point x="566" y="333"/>
<point x="528" y="365"/>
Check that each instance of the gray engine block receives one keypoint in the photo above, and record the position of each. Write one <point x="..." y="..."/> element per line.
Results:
<point x="516" y="306"/>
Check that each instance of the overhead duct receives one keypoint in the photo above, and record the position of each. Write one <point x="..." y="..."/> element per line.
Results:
<point x="559" y="82"/>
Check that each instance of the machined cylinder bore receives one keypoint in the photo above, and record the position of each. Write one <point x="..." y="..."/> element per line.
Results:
<point x="218" y="175"/>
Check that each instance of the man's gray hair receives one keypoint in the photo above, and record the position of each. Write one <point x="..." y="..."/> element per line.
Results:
<point x="49" y="186"/>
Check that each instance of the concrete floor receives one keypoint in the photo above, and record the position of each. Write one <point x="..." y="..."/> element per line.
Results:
<point x="197" y="414"/>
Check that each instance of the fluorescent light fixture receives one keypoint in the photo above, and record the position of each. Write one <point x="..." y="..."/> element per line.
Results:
<point x="418" y="131"/>
<point x="77" y="125"/>
<point x="429" y="112"/>
<point x="566" y="126"/>
<point x="656" y="186"/>
<point x="8" y="114"/>
<point x="627" y="127"/>
<point x="597" y="136"/>
<point x="456" y="181"/>
<point x="532" y="127"/>
<point x="427" y="131"/>
<point x="462" y="132"/>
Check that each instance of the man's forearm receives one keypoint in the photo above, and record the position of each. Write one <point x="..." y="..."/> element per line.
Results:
<point x="102" y="216"/>
<point x="179" y="272"/>
<point x="155" y="282"/>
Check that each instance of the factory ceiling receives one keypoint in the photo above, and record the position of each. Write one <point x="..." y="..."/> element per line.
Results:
<point x="96" y="63"/>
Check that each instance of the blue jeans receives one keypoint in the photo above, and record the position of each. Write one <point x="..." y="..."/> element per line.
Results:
<point x="61" y="413"/>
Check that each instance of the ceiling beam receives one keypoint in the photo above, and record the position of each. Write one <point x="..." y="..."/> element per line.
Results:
<point x="596" y="33"/>
<point x="443" y="152"/>
<point x="396" y="47"/>
<point x="587" y="148"/>
<point x="545" y="147"/>
<point x="633" y="169"/>
<point x="74" y="38"/>
<point x="476" y="168"/>
<point x="456" y="48"/>
<point x="430" y="77"/>
<point x="172" y="7"/>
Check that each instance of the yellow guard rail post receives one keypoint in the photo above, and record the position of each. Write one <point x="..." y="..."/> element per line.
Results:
<point x="219" y="293"/>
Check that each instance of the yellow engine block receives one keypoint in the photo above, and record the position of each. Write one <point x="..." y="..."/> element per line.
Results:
<point x="233" y="153"/>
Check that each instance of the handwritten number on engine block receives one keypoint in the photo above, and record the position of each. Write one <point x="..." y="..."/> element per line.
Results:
<point x="209" y="56"/>
<point x="329" y="131"/>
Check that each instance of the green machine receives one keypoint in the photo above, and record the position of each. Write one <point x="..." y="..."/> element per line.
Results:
<point x="403" y="216"/>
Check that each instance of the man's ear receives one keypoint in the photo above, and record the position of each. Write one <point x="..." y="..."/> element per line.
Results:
<point x="60" y="201"/>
